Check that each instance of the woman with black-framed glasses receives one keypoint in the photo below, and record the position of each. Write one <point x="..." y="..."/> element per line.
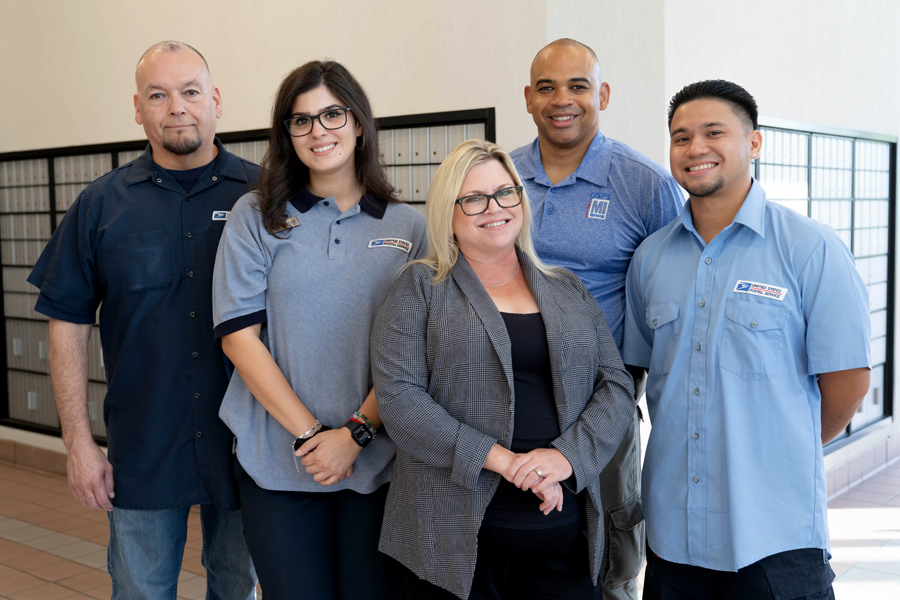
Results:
<point x="500" y="383"/>
<point x="303" y="265"/>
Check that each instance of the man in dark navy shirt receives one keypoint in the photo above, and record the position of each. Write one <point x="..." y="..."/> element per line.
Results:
<point x="140" y="243"/>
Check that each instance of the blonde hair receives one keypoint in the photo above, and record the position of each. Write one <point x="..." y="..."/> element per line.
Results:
<point x="439" y="206"/>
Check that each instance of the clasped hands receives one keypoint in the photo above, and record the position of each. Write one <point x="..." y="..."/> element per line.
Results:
<point x="332" y="461"/>
<point x="540" y="471"/>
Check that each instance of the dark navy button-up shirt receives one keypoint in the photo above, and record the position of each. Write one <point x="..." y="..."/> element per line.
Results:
<point x="139" y="246"/>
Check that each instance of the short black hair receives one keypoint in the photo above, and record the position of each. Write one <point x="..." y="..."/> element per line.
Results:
<point x="718" y="89"/>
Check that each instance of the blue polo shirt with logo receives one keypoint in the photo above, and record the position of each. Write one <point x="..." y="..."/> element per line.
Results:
<point x="140" y="247"/>
<point x="592" y="221"/>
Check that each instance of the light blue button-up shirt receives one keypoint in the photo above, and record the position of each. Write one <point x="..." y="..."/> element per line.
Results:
<point x="592" y="221"/>
<point x="733" y="333"/>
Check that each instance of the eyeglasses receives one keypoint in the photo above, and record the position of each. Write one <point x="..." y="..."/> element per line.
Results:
<point x="300" y="125"/>
<point x="505" y="198"/>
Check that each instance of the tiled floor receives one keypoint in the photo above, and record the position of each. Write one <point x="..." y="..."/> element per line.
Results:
<point x="53" y="548"/>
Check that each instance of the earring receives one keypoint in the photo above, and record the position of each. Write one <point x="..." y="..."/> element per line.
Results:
<point x="363" y="138"/>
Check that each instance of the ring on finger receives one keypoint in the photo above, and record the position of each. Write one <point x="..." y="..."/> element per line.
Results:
<point x="555" y="485"/>
<point x="538" y="471"/>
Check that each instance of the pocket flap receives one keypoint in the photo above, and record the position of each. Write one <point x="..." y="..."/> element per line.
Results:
<point x="755" y="316"/>
<point x="800" y="582"/>
<point x="660" y="314"/>
<point x="628" y="514"/>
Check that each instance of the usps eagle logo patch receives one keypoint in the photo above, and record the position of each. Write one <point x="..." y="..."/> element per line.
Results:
<point x="761" y="289"/>
<point x="598" y="206"/>
<point x="402" y="245"/>
<point x="220" y="215"/>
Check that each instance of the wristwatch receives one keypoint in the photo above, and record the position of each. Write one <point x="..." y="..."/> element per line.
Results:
<point x="360" y="433"/>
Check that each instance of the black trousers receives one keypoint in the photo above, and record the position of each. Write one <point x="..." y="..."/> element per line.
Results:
<point x="514" y="564"/>
<point x="317" y="545"/>
<point x="793" y="575"/>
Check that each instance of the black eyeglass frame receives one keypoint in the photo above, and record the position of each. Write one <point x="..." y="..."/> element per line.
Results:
<point x="519" y="191"/>
<point x="314" y="118"/>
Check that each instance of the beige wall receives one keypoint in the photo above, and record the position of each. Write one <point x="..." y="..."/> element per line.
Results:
<point x="67" y="66"/>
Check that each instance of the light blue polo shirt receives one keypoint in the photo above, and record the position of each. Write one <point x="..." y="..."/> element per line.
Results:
<point x="734" y="334"/>
<point x="592" y="221"/>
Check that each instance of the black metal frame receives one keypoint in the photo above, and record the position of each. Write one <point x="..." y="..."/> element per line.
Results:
<point x="485" y="116"/>
<point x="813" y="129"/>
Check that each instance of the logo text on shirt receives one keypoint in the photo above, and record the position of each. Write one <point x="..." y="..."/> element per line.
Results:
<point x="761" y="289"/>
<point x="220" y="215"/>
<point x="397" y="243"/>
<point x="598" y="206"/>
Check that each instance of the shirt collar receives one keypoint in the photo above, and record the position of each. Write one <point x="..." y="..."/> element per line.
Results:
<point x="752" y="213"/>
<point x="374" y="206"/>
<point x="225" y="164"/>
<point x="594" y="166"/>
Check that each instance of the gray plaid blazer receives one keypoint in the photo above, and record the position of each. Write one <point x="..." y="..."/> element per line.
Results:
<point x="442" y="367"/>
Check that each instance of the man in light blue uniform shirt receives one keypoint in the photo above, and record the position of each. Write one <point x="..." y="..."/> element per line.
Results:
<point x="594" y="200"/>
<point x="754" y="324"/>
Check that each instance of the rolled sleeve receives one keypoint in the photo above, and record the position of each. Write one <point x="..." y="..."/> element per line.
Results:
<point x="65" y="273"/>
<point x="836" y="307"/>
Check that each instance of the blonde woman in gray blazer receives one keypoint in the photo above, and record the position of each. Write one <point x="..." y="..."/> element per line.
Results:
<point x="500" y="383"/>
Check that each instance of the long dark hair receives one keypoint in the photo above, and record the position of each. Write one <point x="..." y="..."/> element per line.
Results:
<point x="283" y="175"/>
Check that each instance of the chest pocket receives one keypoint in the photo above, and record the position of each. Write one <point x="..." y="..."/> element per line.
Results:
<point x="752" y="338"/>
<point x="662" y="319"/>
<point x="144" y="260"/>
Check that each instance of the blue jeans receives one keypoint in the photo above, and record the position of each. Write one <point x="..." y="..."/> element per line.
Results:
<point x="146" y="548"/>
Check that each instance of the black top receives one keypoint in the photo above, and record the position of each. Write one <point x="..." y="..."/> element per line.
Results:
<point x="187" y="179"/>
<point x="535" y="425"/>
<point x="140" y="247"/>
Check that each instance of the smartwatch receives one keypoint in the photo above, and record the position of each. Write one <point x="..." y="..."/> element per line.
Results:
<point x="360" y="433"/>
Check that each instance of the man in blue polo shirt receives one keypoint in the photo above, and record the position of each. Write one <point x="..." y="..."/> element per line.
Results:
<point x="754" y="325"/>
<point x="594" y="200"/>
<point x="140" y="243"/>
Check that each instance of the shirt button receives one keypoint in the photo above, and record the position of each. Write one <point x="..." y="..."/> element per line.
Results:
<point x="326" y="203"/>
<point x="193" y="314"/>
<point x="753" y="324"/>
<point x="215" y="178"/>
<point x="696" y="391"/>
<point x="655" y="321"/>
<point x="194" y="354"/>
<point x="189" y="234"/>
<point x="708" y="260"/>
<point x="703" y="303"/>
<point x="698" y="346"/>
<point x="695" y="435"/>
<point x="696" y="479"/>
<point x="158" y="180"/>
<point x="337" y="241"/>
<point x="549" y="211"/>
<point x="190" y="273"/>
<point x="199" y="434"/>
<point x="196" y="394"/>
<point x="552" y="190"/>
<point x="337" y="222"/>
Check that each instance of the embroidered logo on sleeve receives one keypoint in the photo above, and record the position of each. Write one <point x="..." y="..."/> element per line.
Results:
<point x="598" y="206"/>
<point x="761" y="289"/>
<point x="220" y="215"/>
<point x="397" y="243"/>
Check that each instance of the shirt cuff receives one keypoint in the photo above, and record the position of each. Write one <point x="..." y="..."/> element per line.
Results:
<point x="238" y="323"/>
<point x="62" y="312"/>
